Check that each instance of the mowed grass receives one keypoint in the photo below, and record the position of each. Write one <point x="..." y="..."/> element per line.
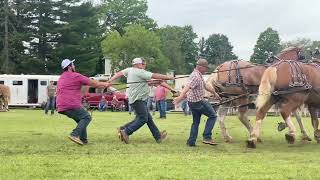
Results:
<point x="35" y="146"/>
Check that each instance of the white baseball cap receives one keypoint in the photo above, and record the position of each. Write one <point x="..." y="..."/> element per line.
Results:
<point x="66" y="62"/>
<point x="138" y="61"/>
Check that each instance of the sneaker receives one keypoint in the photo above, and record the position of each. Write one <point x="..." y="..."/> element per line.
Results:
<point x="163" y="136"/>
<point x="191" y="145"/>
<point x="85" y="141"/>
<point x="209" y="141"/>
<point x="124" y="136"/>
<point x="76" y="139"/>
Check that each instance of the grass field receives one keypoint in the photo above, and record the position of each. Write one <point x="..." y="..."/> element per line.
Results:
<point x="35" y="146"/>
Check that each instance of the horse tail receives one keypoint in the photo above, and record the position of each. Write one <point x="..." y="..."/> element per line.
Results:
<point x="212" y="83"/>
<point x="266" y="87"/>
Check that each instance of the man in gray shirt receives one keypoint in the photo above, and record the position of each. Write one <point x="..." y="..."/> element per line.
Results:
<point x="138" y="94"/>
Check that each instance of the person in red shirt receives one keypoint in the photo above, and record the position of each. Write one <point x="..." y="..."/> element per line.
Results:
<point x="69" y="99"/>
<point x="160" y="96"/>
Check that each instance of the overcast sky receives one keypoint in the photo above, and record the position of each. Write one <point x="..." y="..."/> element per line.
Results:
<point x="241" y="20"/>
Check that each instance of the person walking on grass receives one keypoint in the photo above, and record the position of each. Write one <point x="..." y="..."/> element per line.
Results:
<point x="69" y="99"/>
<point x="138" y="94"/>
<point x="195" y="90"/>
<point x="160" y="96"/>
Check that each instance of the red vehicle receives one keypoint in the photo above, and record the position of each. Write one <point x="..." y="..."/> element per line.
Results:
<point x="93" y="96"/>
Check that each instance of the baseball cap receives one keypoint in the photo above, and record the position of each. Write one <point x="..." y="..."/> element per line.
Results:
<point x="203" y="63"/>
<point x="138" y="61"/>
<point x="66" y="62"/>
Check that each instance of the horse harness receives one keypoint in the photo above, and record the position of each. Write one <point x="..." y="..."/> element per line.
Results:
<point x="238" y="81"/>
<point x="298" y="81"/>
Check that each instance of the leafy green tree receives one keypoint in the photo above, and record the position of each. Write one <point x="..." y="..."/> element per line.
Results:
<point x="218" y="49"/>
<point x="179" y="46"/>
<point x="268" y="41"/>
<point x="189" y="47"/>
<point x="136" y="42"/>
<point x="299" y="42"/>
<point x="201" y="45"/>
<point x="118" y="14"/>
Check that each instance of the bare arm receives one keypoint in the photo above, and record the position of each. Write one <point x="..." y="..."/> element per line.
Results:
<point x="164" y="84"/>
<point x="98" y="84"/>
<point x="182" y="95"/>
<point x="161" y="76"/>
<point x="116" y="76"/>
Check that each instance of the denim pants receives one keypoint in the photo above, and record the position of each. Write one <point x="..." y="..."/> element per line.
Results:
<point x="162" y="108"/>
<point x="50" y="105"/>
<point x="197" y="109"/>
<point x="82" y="118"/>
<point x="102" y="107"/>
<point x="185" y="107"/>
<point x="151" y="104"/>
<point x="142" y="117"/>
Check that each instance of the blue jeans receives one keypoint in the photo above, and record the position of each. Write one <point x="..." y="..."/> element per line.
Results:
<point x="50" y="105"/>
<point x="142" y="117"/>
<point x="102" y="107"/>
<point x="199" y="108"/>
<point x="162" y="108"/>
<point x="151" y="104"/>
<point x="82" y="118"/>
<point x="185" y="107"/>
<point x="130" y="108"/>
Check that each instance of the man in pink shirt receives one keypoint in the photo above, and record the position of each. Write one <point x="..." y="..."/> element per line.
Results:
<point x="160" y="96"/>
<point x="69" y="99"/>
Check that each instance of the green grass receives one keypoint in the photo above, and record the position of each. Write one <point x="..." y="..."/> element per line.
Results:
<point x="35" y="146"/>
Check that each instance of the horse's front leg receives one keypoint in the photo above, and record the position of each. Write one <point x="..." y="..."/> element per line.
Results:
<point x="222" y="112"/>
<point x="304" y="134"/>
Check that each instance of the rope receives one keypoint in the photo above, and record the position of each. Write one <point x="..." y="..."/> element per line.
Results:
<point x="155" y="80"/>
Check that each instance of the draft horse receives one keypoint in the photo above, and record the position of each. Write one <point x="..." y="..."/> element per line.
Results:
<point x="4" y="97"/>
<point x="290" y="84"/>
<point x="238" y="77"/>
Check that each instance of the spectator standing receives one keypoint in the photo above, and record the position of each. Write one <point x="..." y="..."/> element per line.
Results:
<point x="51" y="100"/>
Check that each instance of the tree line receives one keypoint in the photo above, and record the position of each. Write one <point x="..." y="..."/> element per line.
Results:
<point x="35" y="35"/>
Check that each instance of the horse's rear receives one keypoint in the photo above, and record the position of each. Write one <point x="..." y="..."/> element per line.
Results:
<point x="5" y="97"/>
<point x="290" y="84"/>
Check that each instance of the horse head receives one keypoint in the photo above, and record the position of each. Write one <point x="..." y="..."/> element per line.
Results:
<point x="290" y="53"/>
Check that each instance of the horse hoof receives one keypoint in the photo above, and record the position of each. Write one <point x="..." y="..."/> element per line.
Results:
<point x="259" y="140"/>
<point x="306" y="138"/>
<point x="290" y="138"/>
<point x="281" y="126"/>
<point x="228" y="139"/>
<point x="251" y="144"/>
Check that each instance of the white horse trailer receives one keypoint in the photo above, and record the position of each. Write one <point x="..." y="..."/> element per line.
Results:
<point x="27" y="90"/>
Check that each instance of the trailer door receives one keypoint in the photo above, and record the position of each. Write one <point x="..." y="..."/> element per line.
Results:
<point x="32" y="91"/>
<point x="42" y="95"/>
<point x="18" y="93"/>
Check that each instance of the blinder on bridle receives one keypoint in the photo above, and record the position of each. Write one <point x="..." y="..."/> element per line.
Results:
<point x="271" y="58"/>
<point x="301" y="56"/>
